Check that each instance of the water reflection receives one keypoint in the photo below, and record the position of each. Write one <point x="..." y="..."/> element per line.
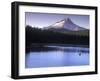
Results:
<point x="55" y="56"/>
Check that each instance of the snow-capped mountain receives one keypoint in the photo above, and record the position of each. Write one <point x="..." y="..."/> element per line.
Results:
<point x="65" y="25"/>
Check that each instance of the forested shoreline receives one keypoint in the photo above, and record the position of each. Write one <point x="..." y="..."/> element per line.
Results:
<point x="37" y="35"/>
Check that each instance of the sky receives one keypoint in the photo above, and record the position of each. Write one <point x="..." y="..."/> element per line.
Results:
<point x="41" y="20"/>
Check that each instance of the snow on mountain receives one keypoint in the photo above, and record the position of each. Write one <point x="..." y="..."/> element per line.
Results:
<point x="65" y="25"/>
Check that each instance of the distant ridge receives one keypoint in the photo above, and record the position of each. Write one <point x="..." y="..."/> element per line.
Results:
<point x="65" y="25"/>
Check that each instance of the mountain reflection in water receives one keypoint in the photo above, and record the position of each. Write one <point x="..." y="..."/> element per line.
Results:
<point x="56" y="56"/>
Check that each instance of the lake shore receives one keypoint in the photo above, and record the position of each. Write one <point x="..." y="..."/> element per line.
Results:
<point x="50" y="46"/>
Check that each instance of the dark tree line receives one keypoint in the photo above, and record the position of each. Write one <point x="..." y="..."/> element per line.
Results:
<point x="36" y="35"/>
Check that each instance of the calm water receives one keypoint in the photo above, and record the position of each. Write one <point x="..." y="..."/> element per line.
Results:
<point x="57" y="56"/>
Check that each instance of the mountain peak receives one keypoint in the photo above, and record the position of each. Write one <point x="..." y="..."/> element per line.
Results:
<point x="68" y="20"/>
<point x="65" y="24"/>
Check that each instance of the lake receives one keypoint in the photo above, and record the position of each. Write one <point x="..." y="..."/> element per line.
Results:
<point x="57" y="56"/>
